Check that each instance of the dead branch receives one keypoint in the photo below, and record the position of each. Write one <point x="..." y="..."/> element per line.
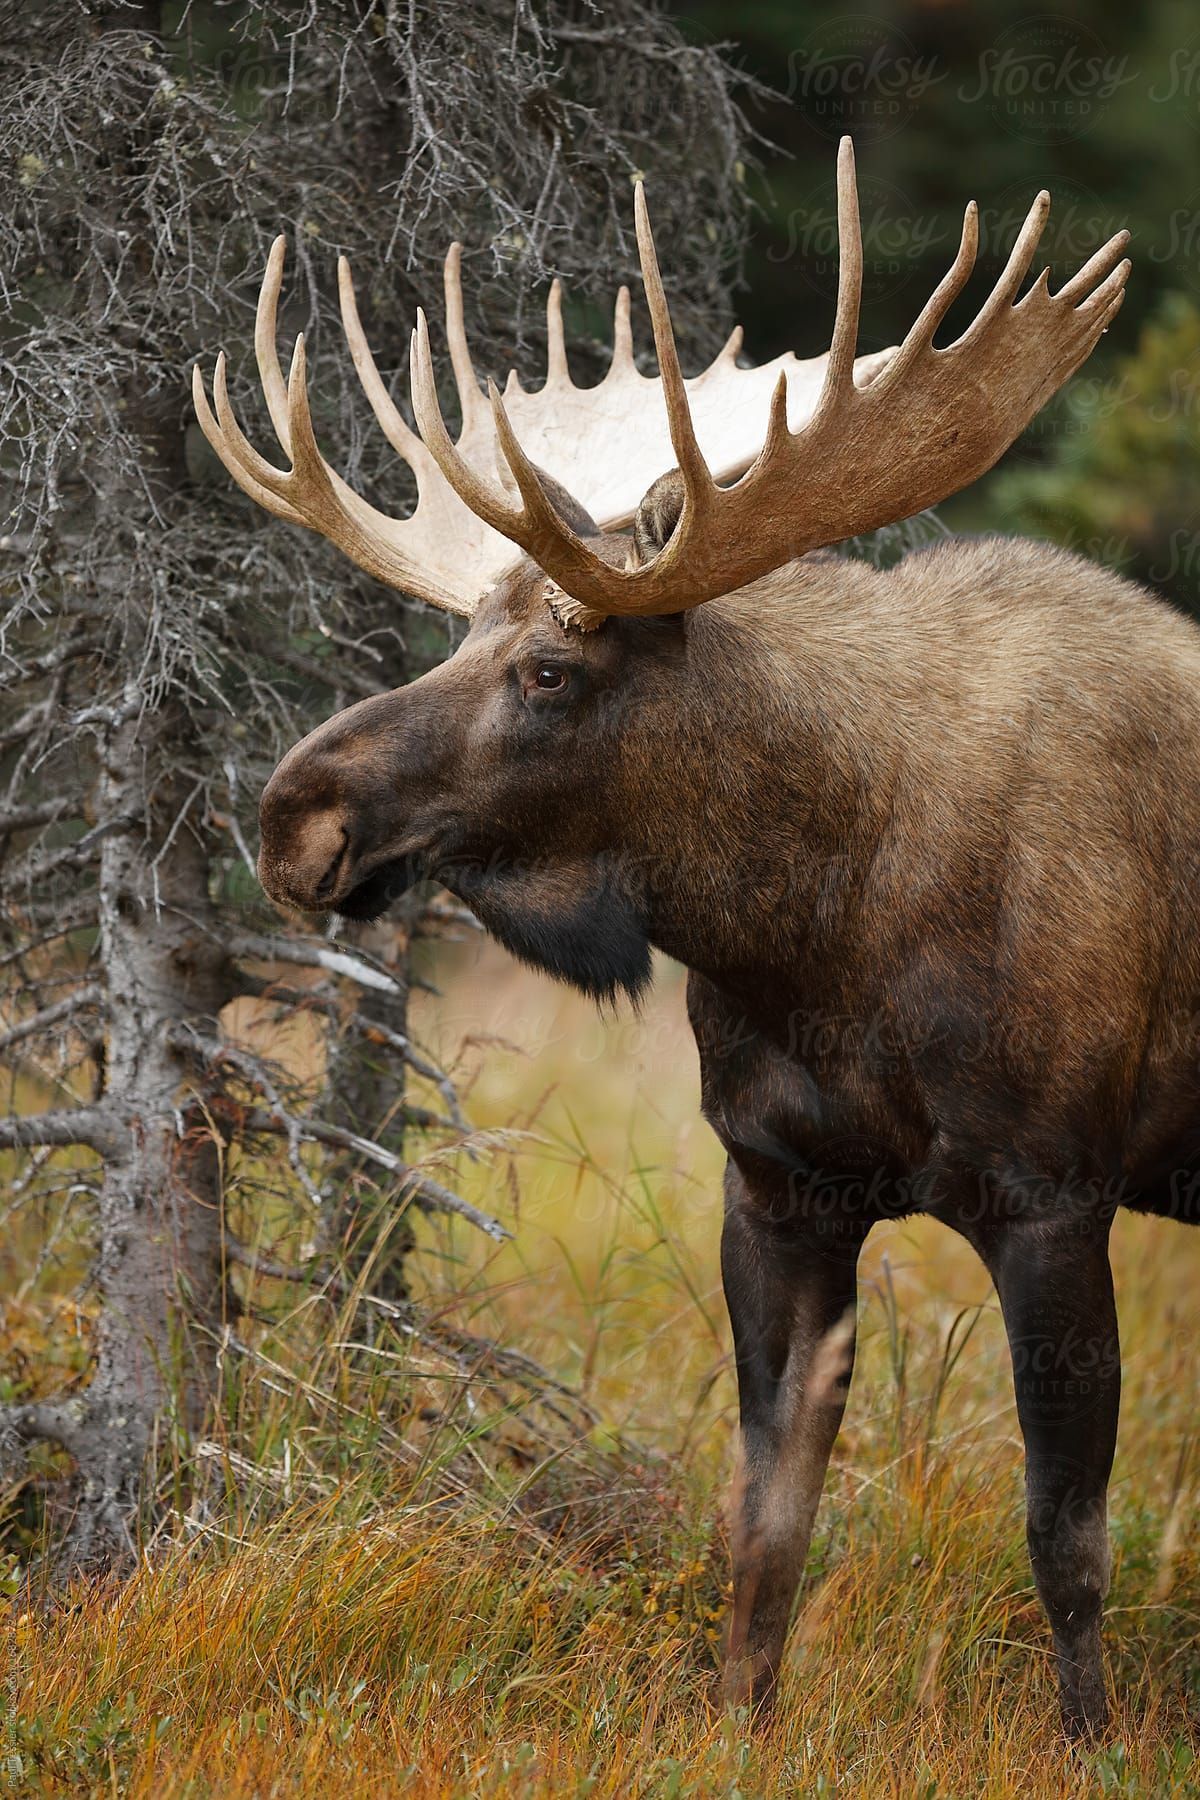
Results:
<point x="99" y="1128"/>
<point x="270" y="1270"/>
<point x="84" y="1000"/>
<point x="315" y="1000"/>
<point x="39" y="1421"/>
<point x="61" y="922"/>
<point x="338" y="676"/>
<point x="448" y="1341"/>
<point x="256" y="1072"/>
<point x="376" y="1032"/>
<point x="429" y="1195"/>
<point x="33" y="668"/>
<point x="29" y="818"/>
<point x="30" y="721"/>
<point x="311" y="953"/>
<point x="423" y="1118"/>
<point x="230" y="822"/>
<point x="41" y="865"/>
<point x="329" y="1006"/>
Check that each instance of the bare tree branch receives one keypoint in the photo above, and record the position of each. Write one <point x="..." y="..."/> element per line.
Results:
<point x="438" y="1334"/>
<point x="29" y="818"/>
<point x="362" y="685"/>
<point x="217" y="1050"/>
<point x="60" y="922"/>
<point x="80" y="1000"/>
<point x="376" y="1032"/>
<point x="428" y="1194"/>
<point x="99" y="1128"/>
<point x="43" y="864"/>
<point x="39" y="1421"/>
<point x="310" y="953"/>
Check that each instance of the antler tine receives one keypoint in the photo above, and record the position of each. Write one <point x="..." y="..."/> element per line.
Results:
<point x="622" y="355"/>
<point x="333" y="508"/>
<point x="392" y="423"/>
<point x="230" y="448"/>
<point x="245" y="457"/>
<point x="1109" y="295"/>
<point x="432" y="426"/>
<point x="557" y="370"/>
<point x="309" y="468"/>
<point x="777" y="422"/>
<point x="1093" y="269"/>
<point x="839" y="375"/>
<point x="1113" y="308"/>
<point x="944" y="295"/>
<point x="470" y="398"/>
<point x="403" y="553"/>
<point x="695" y="471"/>
<point x="310" y="476"/>
<point x="329" y="503"/>
<point x="266" y="352"/>
<point x="1015" y="269"/>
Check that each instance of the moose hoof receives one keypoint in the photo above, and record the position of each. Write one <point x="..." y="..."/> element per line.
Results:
<point x="749" y="1681"/>
<point x="1085" y="1714"/>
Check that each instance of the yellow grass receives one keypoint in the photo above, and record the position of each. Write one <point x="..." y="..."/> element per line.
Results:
<point x="533" y="1640"/>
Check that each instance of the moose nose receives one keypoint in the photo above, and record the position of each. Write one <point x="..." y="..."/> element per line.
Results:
<point x="305" y="852"/>
<point x="327" y="886"/>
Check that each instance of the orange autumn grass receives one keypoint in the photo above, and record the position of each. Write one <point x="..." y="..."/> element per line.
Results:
<point x="554" y="1633"/>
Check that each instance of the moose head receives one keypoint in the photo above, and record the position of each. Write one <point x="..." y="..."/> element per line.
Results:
<point x="874" y="799"/>
<point x="589" y="670"/>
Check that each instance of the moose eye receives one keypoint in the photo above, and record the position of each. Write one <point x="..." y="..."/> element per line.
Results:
<point x="550" y="679"/>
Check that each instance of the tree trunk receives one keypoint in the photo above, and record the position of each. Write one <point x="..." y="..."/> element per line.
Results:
<point x="159" y="1263"/>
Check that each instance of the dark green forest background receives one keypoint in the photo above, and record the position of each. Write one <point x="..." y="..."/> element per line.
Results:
<point x="948" y="102"/>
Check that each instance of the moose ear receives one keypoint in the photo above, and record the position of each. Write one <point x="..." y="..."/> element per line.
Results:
<point x="657" y="515"/>
<point x="571" y="511"/>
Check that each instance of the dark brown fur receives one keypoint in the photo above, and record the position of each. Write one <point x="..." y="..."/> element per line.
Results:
<point x="927" y="841"/>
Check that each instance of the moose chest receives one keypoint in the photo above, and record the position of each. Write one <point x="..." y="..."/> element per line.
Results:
<point x="815" y="1108"/>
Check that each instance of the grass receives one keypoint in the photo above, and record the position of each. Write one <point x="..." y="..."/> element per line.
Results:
<point x="378" y="1591"/>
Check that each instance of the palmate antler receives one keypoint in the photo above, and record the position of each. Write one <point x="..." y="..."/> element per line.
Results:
<point x="931" y="422"/>
<point x="443" y="552"/>
<point x="603" y="444"/>
<point x="825" y="448"/>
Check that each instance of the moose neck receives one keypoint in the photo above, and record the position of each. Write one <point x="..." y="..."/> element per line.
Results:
<point x="760" y="794"/>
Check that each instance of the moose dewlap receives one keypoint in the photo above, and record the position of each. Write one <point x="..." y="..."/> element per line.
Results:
<point x="951" y="812"/>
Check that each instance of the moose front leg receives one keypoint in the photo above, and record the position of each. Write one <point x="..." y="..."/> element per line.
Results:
<point x="1056" y="1292"/>
<point x="791" y="1306"/>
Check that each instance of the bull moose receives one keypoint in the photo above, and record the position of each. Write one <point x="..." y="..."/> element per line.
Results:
<point x="953" y="808"/>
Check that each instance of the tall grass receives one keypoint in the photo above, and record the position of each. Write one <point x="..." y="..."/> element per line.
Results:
<point x="393" y="1578"/>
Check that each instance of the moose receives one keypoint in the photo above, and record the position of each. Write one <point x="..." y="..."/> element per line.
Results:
<point x="952" y="808"/>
